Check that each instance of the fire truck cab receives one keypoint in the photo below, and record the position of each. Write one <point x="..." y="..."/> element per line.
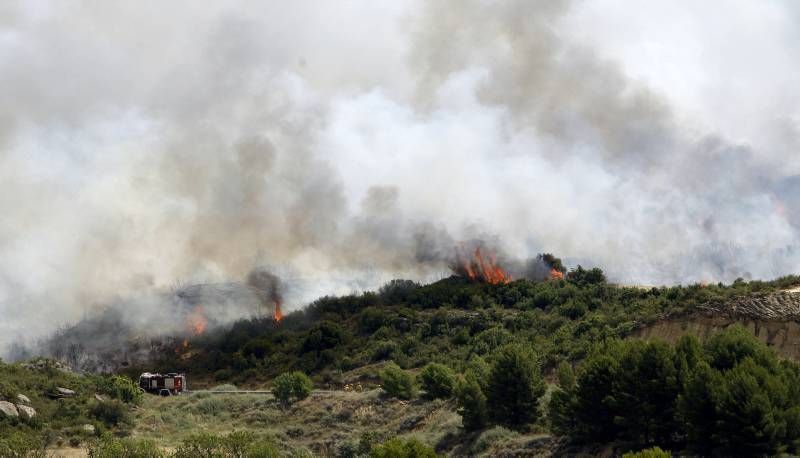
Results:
<point x="165" y="385"/>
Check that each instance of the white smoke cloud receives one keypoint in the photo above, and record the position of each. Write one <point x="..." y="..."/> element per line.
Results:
<point x="143" y="144"/>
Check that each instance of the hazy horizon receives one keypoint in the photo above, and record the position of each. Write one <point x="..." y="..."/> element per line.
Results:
<point x="342" y="144"/>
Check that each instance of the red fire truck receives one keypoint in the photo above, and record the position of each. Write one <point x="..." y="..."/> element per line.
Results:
<point x="164" y="385"/>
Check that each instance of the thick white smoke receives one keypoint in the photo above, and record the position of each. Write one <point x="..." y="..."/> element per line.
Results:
<point x="342" y="144"/>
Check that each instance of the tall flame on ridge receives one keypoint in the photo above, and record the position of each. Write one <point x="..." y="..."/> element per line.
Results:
<point x="196" y="321"/>
<point x="556" y="274"/>
<point x="480" y="266"/>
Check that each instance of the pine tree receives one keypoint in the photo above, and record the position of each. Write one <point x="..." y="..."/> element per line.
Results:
<point x="514" y="388"/>
<point x="471" y="402"/>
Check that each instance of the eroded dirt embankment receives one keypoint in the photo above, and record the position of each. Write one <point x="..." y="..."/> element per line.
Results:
<point x="773" y="318"/>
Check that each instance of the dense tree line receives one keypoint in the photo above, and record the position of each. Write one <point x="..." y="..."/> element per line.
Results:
<point x="447" y="322"/>
<point x="728" y="397"/>
<point x="731" y="396"/>
<point x="488" y="346"/>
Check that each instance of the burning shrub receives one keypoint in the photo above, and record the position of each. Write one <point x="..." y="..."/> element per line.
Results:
<point x="397" y="382"/>
<point x="291" y="385"/>
<point x="479" y="264"/>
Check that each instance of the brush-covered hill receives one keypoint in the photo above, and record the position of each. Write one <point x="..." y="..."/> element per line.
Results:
<point x="44" y="404"/>
<point x="460" y="367"/>
<point x="450" y="321"/>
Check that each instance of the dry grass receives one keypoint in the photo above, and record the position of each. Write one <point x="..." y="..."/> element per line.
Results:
<point x="320" y="423"/>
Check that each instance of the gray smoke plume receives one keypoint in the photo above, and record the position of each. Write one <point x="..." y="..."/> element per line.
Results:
<point x="147" y="144"/>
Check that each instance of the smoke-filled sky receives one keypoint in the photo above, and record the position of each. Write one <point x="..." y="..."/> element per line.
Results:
<point x="340" y="144"/>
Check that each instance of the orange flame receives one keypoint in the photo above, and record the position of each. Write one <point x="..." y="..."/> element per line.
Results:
<point x="556" y="274"/>
<point x="483" y="267"/>
<point x="181" y="348"/>
<point x="196" y="321"/>
<point x="278" y="315"/>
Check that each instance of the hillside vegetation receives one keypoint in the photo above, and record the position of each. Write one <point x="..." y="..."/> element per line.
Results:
<point x="449" y="322"/>
<point x="68" y="409"/>
<point x="451" y="368"/>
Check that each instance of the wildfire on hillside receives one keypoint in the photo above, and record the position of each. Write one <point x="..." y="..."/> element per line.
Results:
<point x="480" y="265"/>
<point x="196" y="321"/>
<point x="278" y="315"/>
<point x="556" y="274"/>
<point x="182" y="347"/>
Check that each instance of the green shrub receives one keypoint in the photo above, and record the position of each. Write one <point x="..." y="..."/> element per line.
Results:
<point x="211" y="406"/>
<point x="437" y="380"/>
<point x="7" y="392"/>
<point x="493" y="436"/>
<point x="120" y="387"/>
<point x="654" y="452"/>
<point x="514" y="387"/>
<point x="113" y="447"/>
<point x="223" y="374"/>
<point x="21" y="445"/>
<point x="238" y="444"/>
<point x="199" y="445"/>
<point x="112" y="413"/>
<point x="67" y="409"/>
<point x="262" y="449"/>
<point x="384" y="349"/>
<point x="397" y="382"/>
<point x="561" y="408"/>
<point x="491" y="339"/>
<point x="347" y="449"/>
<point x="480" y="370"/>
<point x="324" y="335"/>
<point x="225" y="387"/>
<point x="366" y="441"/>
<point x="471" y="403"/>
<point x="731" y="346"/>
<point x="399" y="448"/>
<point x="291" y="386"/>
